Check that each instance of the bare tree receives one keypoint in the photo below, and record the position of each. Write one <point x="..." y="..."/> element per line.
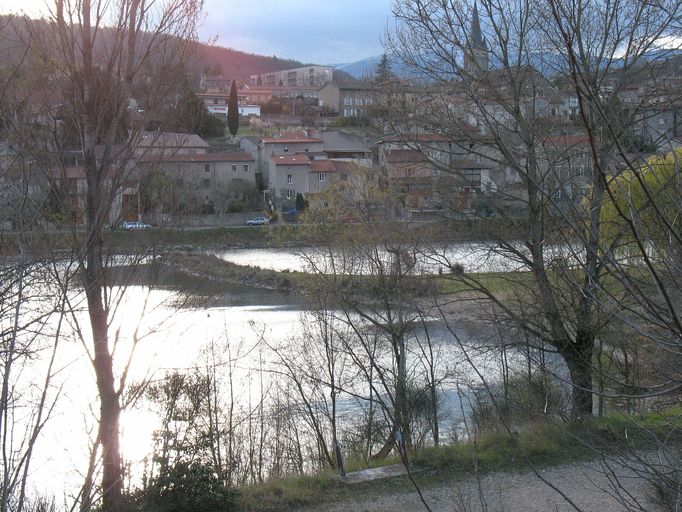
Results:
<point x="566" y="101"/>
<point x="102" y="64"/>
<point x="501" y="76"/>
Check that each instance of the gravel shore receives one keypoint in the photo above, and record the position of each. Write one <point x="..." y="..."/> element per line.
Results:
<point x="587" y="485"/>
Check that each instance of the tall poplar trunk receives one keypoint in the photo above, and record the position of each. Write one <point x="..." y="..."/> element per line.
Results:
<point x="110" y="408"/>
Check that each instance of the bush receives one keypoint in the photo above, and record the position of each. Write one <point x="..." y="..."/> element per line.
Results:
<point x="665" y="480"/>
<point x="236" y="207"/>
<point x="186" y="487"/>
<point x="523" y="401"/>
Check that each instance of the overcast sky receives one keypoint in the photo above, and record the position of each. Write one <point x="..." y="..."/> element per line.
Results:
<point x="312" y="31"/>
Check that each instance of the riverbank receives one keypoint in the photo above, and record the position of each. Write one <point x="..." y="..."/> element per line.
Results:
<point x="560" y="452"/>
<point x="70" y="239"/>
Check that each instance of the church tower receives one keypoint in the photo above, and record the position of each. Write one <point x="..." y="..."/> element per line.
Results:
<point x="476" y="53"/>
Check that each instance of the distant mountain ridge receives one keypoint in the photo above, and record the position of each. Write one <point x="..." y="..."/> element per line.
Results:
<point x="546" y="63"/>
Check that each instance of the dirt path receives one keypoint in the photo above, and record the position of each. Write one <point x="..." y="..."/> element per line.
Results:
<point x="586" y="484"/>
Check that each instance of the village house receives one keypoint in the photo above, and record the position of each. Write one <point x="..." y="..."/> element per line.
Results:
<point x="287" y="144"/>
<point x="199" y="182"/>
<point x="288" y="175"/>
<point x="348" y="100"/>
<point x="216" y="104"/>
<point x="167" y="143"/>
<point x="307" y="75"/>
<point x="344" y="146"/>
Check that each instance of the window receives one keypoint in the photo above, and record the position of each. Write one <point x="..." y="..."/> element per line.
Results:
<point x="246" y="167"/>
<point x="207" y="167"/>
<point x="290" y="179"/>
<point x="206" y="183"/>
<point x="346" y="101"/>
<point x="344" y="177"/>
<point x="290" y="193"/>
<point x="286" y="149"/>
<point x="215" y="101"/>
<point x="234" y="167"/>
<point x="557" y="194"/>
<point x="322" y="176"/>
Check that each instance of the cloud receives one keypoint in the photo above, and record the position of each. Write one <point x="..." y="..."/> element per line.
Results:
<point x="313" y="31"/>
<point x="307" y="30"/>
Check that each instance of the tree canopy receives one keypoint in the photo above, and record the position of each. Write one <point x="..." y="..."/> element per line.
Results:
<point x="233" y="110"/>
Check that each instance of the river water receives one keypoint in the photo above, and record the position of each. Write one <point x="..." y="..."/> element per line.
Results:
<point x="473" y="256"/>
<point x="172" y="338"/>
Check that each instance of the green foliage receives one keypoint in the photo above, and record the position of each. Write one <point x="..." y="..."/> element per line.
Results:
<point x="185" y="487"/>
<point x="211" y="127"/>
<point x="645" y="196"/>
<point x="383" y="73"/>
<point x="233" y="110"/>
<point x="301" y="203"/>
<point x="273" y="106"/>
<point x="158" y="191"/>
<point x="520" y="401"/>
<point x="345" y="122"/>
<point x="188" y="115"/>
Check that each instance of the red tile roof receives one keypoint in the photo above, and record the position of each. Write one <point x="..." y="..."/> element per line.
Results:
<point x="290" y="159"/>
<point x="332" y="166"/>
<point x="237" y="156"/>
<point x="568" y="140"/>
<point x="403" y="156"/>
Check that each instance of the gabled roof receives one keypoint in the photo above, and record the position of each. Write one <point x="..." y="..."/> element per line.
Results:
<point x="404" y="156"/>
<point x="289" y="140"/>
<point x="332" y="166"/>
<point x="299" y="159"/>
<point x="235" y="156"/>
<point x="566" y="141"/>
<point x="67" y="172"/>
<point x="170" y="140"/>
<point x="464" y="163"/>
<point x="417" y="137"/>
<point x="341" y="141"/>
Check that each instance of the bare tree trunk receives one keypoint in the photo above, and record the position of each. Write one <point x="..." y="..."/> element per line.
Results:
<point x="579" y="362"/>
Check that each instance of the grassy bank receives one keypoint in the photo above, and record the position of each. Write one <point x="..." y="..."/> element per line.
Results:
<point x="542" y="444"/>
<point x="276" y="235"/>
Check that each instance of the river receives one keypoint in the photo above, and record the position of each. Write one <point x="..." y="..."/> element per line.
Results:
<point x="173" y="338"/>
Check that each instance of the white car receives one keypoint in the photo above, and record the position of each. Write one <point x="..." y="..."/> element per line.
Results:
<point x="258" y="221"/>
<point x="134" y="225"/>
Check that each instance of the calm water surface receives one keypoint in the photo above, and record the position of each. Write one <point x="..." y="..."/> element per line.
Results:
<point x="172" y="338"/>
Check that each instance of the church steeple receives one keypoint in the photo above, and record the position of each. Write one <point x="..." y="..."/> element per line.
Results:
<point x="476" y="53"/>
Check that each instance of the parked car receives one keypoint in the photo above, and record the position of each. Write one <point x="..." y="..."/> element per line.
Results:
<point x="258" y="221"/>
<point x="134" y="225"/>
<point x="290" y="215"/>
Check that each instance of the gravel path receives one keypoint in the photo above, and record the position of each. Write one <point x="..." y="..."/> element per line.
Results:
<point x="585" y="484"/>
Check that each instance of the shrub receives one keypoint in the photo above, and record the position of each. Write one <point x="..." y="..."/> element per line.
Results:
<point x="186" y="487"/>
<point x="523" y="400"/>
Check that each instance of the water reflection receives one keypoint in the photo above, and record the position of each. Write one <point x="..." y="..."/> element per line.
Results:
<point x="174" y="339"/>
<point x="475" y="257"/>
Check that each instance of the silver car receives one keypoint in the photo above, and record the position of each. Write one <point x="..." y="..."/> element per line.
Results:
<point x="134" y="225"/>
<point x="258" y="221"/>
